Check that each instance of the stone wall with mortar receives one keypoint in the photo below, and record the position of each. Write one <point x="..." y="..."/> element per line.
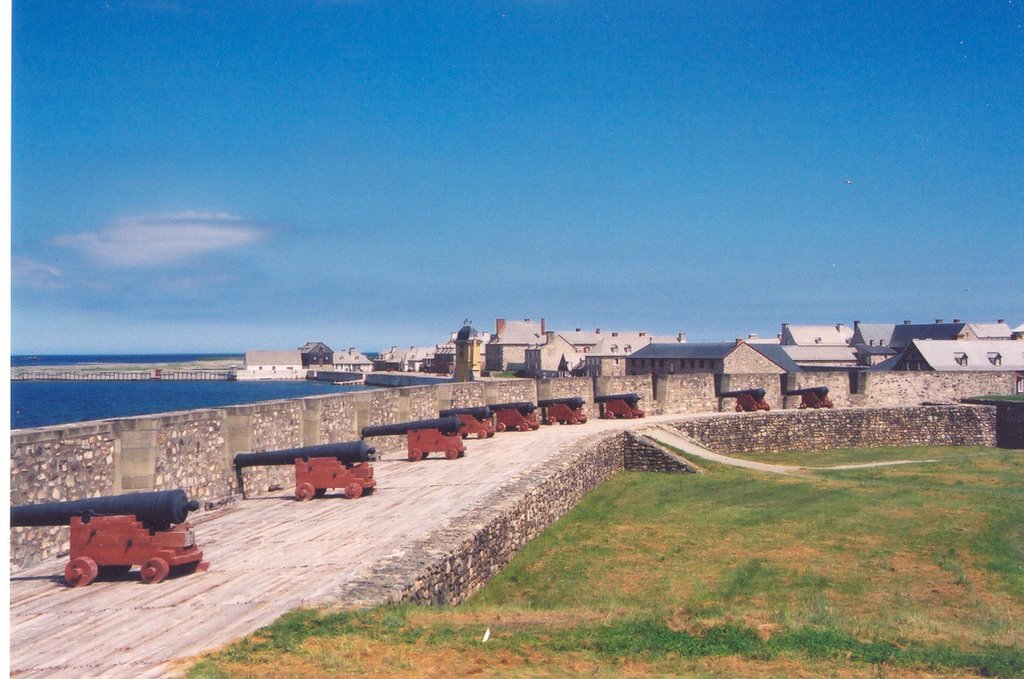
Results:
<point x="562" y="387"/>
<point x="454" y="561"/>
<point x="910" y="388"/>
<point x="838" y="383"/>
<point x="766" y="432"/>
<point x="686" y="393"/>
<point x="629" y="384"/>
<point x="1009" y="421"/>
<point x="194" y="450"/>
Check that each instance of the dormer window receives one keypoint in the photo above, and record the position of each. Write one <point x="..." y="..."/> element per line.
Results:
<point x="995" y="358"/>
<point x="628" y="349"/>
<point x="960" y="358"/>
<point x="615" y="348"/>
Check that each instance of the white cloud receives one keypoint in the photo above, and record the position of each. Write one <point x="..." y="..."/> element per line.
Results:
<point x="160" y="240"/>
<point x="33" y="274"/>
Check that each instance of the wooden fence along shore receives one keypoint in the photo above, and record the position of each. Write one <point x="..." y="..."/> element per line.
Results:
<point x="121" y="375"/>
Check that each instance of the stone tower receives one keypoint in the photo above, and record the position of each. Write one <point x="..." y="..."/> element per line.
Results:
<point x="468" y="353"/>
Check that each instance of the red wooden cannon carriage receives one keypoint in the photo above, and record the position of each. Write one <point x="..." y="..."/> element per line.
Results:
<point x="619" y="406"/>
<point x="425" y="436"/>
<point x="320" y="468"/>
<point x="478" y="421"/>
<point x="566" y="410"/>
<point x="110" y="535"/>
<point x="515" y="416"/>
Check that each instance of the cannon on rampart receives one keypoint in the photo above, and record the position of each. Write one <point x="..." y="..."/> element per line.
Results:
<point x="564" y="410"/>
<point x="477" y="420"/>
<point x="425" y="436"/>
<point x="111" y="534"/>
<point x="747" y="400"/>
<point x="318" y="468"/>
<point x="518" y="416"/>
<point x="619" y="406"/>
<point x="811" y="397"/>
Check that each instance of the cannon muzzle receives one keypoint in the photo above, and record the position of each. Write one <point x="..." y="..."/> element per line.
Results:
<point x="631" y="399"/>
<point x="524" y="407"/>
<point x="348" y="453"/>
<point x="445" y="425"/>
<point x="573" y="402"/>
<point x="158" y="510"/>
<point x="757" y="393"/>
<point x="478" y="412"/>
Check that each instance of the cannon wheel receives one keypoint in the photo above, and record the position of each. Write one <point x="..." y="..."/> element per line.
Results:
<point x="415" y="455"/>
<point x="500" y="427"/>
<point x="739" y="408"/>
<point x="154" y="570"/>
<point x="452" y="454"/>
<point x="353" y="490"/>
<point x="80" y="571"/>
<point x="305" y="491"/>
<point x="582" y="419"/>
<point x="490" y="434"/>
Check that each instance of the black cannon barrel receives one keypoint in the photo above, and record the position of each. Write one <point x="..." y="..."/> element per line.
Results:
<point x="574" y="402"/>
<point x="524" y="407"/>
<point x="446" y="425"/>
<point x="757" y="392"/>
<point x="631" y="399"/>
<point x="479" y="412"/>
<point x="348" y="453"/>
<point x="820" y="391"/>
<point x="157" y="510"/>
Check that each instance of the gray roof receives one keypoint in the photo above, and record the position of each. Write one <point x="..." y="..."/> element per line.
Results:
<point x="823" y="353"/>
<point x="518" y="332"/>
<point x="264" y="357"/>
<point x="695" y="350"/>
<point x="880" y="333"/>
<point x="903" y="335"/>
<point x="978" y="354"/>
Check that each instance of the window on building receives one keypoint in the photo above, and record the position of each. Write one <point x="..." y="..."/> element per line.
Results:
<point x="995" y="358"/>
<point x="960" y="358"/>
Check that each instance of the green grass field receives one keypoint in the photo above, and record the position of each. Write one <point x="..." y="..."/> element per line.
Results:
<point x="893" y="571"/>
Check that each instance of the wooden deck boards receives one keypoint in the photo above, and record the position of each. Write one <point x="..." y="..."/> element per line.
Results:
<point x="267" y="555"/>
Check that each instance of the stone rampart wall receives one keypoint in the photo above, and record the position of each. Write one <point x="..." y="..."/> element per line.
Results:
<point x="762" y="432"/>
<point x="630" y="384"/>
<point x="194" y="450"/>
<point x="454" y="561"/>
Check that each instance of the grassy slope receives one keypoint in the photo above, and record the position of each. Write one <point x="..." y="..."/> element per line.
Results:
<point x="858" y="573"/>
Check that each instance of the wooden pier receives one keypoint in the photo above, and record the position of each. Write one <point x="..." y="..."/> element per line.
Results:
<point x="64" y="375"/>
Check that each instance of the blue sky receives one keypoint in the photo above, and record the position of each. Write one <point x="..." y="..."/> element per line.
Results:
<point x="223" y="176"/>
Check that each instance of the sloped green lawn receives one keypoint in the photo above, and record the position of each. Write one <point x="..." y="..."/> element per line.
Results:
<point x="890" y="571"/>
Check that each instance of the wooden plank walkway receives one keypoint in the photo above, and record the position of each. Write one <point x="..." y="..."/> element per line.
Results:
<point x="268" y="555"/>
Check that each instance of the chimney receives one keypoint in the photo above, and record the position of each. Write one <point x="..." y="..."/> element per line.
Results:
<point x="643" y="334"/>
<point x="956" y="320"/>
<point x="938" y="321"/>
<point x="577" y="329"/>
<point x="543" y="326"/>
<point x="839" y="327"/>
<point x="597" y="330"/>
<point x="499" y="325"/>
<point x="1001" y="321"/>
<point x="906" y="322"/>
<point x="739" y="341"/>
<point x="615" y="334"/>
<point x="550" y="335"/>
<point x="681" y="338"/>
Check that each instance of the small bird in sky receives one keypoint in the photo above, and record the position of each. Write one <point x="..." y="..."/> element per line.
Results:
<point x="849" y="182"/>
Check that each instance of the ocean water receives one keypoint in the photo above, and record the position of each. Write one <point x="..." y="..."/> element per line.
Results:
<point x="42" y="403"/>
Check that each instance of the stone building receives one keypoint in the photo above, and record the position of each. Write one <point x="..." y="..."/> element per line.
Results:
<point x="272" y="365"/>
<point x="608" y="357"/>
<point x="506" y="349"/>
<point x="316" y="355"/>
<point x="717" y="358"/>
<point x="352" y="360"/>
<point x="554" y="356"/>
